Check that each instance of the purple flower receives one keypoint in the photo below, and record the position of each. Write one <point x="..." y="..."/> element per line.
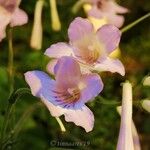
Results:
<point x="108" y="9"/>
<point x="10" y="13"/>
<point x="89" y="48"/>
<point x="68" y="93"/>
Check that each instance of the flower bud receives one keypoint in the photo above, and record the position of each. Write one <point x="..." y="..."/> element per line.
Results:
<point x="146" y="81"/>
<point x="56" y="24"/>
<point x="37" y="33"/>
<point x="146" y="105"/>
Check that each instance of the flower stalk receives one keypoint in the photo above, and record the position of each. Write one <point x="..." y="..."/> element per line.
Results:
<point x="62" y="127"/>
<point x="128" y="27"/>
<point x="10" y="62"/>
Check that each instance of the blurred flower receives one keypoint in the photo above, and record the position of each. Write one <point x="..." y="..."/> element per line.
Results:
<point x="125" y="140"/>
<point x="146" y="81"/>
<point x="10" y="13"/>
<point x="146" y="104"/>
<point x="136" y="140"/>
<point x="37" y="33"/>
<point x="109" y="10"/>
<point x="89" y="48"/>
<point x="56" y="25"/>
<point x="97" y="23"/>
<point x="68" y="93"/>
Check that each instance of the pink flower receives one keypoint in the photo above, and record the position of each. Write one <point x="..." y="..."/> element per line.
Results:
<point x="108" y="9"/>
<point x="125" y="140"/>
<point x="89" y="48"/>
<point x="10" y="13"/>
<point x="68" y="93"/>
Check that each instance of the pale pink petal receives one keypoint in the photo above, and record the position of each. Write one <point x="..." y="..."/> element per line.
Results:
<point x="55" y="111"/>
<point x="51" y="65"/>
<point x="119" y="9"/>
<point x="82" y="117"/>
<point x="90" y="85"/>
<point x="9" y="5"/>
<point x="112" y="65"/>
<point x="116" y="20"/>
<point x="79" y="28"/>
<point x="109" y="36"/>
<point x="19" y="17"/>
<point x="4" y="21"/>
<point x="136" y="139"/>
<point x="135" y="136"/>
<point x="67" y="72"/>
<point x="95" y="12"/>
<point x="58" y="50"/>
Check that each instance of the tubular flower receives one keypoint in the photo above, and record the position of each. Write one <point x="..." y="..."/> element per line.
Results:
<point x="56" y="24"/>
<point x="68" y="93"/>
<point x="125" y="140"/>
<point x="37" y="33"/>
<point x="136" y="140"/>
<point x="90" y="48"/>
<point x="109" y="10"/>
<point x="10" y="13"/>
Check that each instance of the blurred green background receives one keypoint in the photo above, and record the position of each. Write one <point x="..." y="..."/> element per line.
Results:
<point x="40" y="131"/>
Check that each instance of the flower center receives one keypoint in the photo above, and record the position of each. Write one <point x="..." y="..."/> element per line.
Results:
<point x="70" y="96"/>
<point x="93" y="55"/>
<point x="99" y="4"/>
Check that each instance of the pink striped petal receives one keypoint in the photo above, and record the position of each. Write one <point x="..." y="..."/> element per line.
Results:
<point x="112" y="65"/>
<point x="67" y="72"/>
<point x="109" y="36"/>
<point x="19" y="18"/>
<point x="58" y="50"/>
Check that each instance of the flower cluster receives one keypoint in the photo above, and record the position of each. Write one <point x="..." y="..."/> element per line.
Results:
<point x="73" y="65"/>
<point x="10" y="13"/>
<point x="108" y="9"/>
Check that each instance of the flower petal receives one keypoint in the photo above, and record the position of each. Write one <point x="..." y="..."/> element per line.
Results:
<point x="67" y="73"/>
<point x="55" y="111"/>
<point x="4" y="21"/>
<point x="82" y="117"/>
<point x="109" y="35"/>
<point x="79" y="28"/>
<point x="19" y="18"/>
<point x="116" y="20"/>
<point x="9" y="5"/>
<point x="51" y="65"/>
<point x="112" y="65"/>
<point x="119" y="9"/>
<point x="58" y="50"/>
<point x="39" y="82"/>
<point x="91" y="85"/>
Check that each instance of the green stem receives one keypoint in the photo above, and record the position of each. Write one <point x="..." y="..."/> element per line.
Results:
<point x="77" y="6"/>
<point x="24" y="117"/>
<point x="10" y="62"/>
<point x="12" y="100"/>
<point x="62" y="127"/>
<point x="126" y="28"/>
